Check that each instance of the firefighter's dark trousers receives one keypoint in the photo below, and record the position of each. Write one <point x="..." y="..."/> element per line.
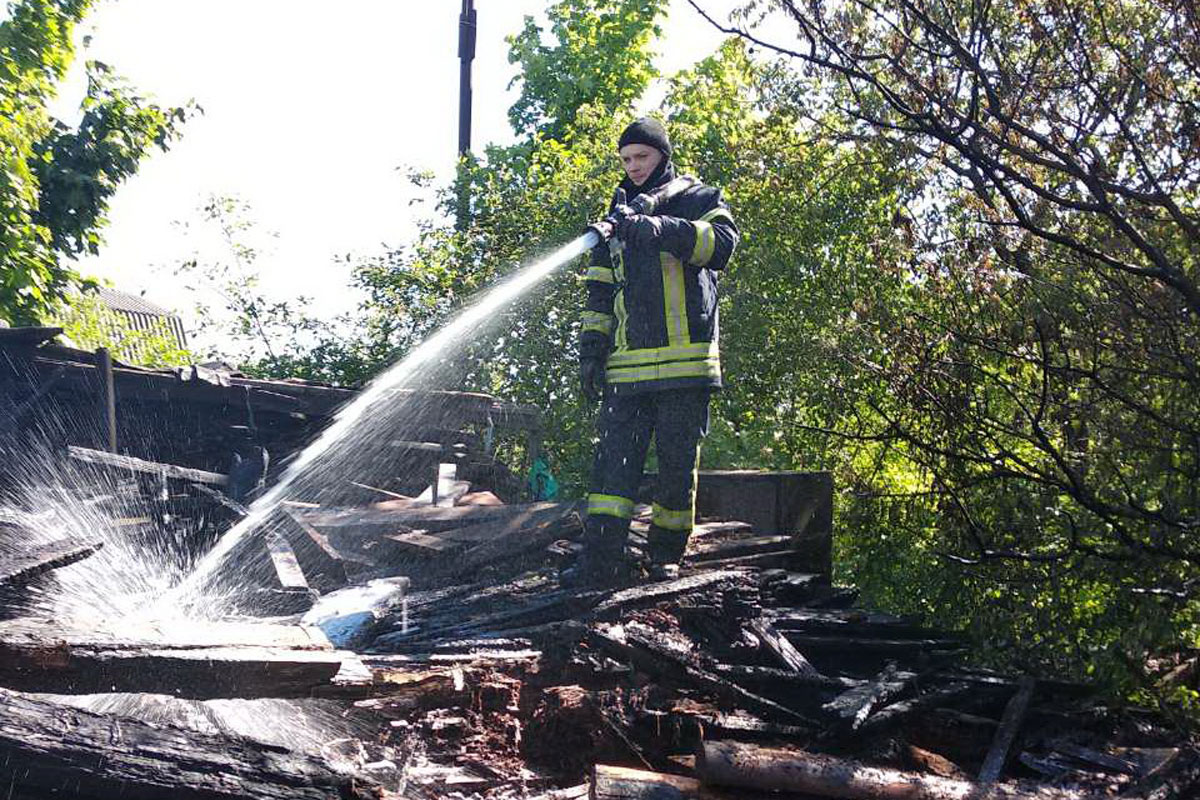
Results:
<point x="677" y="420"/>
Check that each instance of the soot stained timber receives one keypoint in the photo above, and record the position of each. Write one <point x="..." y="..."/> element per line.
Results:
<point x="52" y="748"/>
<point x="149" y="467"/>
<point x="783" y="650"/>
<point x="1006" y="734"/>
<point x="203" y="661"/>
<point x="19" y="567"/>
<point x="432" y="519"/>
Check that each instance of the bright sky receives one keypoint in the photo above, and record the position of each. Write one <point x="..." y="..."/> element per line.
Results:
<point x="308" y="114"/>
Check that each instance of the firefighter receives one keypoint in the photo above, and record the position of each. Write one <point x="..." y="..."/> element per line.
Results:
<point x="649" y="355"/>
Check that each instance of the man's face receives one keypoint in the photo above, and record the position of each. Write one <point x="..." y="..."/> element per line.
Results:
<point x="640" y="160"/>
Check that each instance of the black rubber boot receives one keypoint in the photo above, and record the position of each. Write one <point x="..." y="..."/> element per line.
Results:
<point x="602" y="562"/>
<point x="665" y="550"/>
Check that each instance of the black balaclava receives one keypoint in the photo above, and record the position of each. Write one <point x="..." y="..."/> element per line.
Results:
<point x="648" y="131"/>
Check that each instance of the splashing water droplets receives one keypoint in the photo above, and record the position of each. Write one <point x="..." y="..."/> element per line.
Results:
<point x="360" y="420"/>
<point x="152" y="576"/>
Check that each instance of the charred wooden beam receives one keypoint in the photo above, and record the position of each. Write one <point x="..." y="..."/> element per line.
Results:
<point x="1006" y="734"/>
<point x="99" y="756"/>
<point x="852" y="707"/>
<point x="893" y="714"/>
<point x="762" y="676"/>
<point x="433" y="519"/>
<point x="132" y="464"/>
<point x="746" y="546"/>
<point x="655" y="592"/>
<point x="204" y="673"/>
<point x="30" y="402"/>
<point x="781" y="649"/>
<point x="647" y="656"/>
<point x="20" y="567"/>
<point x="194" y="661"/>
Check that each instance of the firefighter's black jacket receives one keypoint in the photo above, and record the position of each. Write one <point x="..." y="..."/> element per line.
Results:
<point x="652" y="313"/>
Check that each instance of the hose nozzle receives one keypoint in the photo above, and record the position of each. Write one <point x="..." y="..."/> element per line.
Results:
<point x="645" y="203"/>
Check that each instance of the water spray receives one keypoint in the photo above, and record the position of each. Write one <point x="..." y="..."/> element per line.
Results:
<point x="344" y="434"/>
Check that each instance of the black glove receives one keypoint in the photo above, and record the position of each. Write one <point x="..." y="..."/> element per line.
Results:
<point x="639" y="230"/>
<point x="591" y="378"/>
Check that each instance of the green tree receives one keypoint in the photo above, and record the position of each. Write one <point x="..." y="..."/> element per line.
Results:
<point x="55" y="183"/>
<point x="1039" y="396"/>
<point x="599" y="56"/>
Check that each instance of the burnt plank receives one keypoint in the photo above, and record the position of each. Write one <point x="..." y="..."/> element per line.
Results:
<point x="754" y="676"/>
<point x="1006" y="734"/>
<point x="100" y="756"/>
<point x="645" y="654"/>
<point x="132" y="464"/>
<point x="852" y="707"/>
<point x="656" y="592"/>
<point x="433" y="518"/>
<point x="731" y="548"/>
<point x="781" y="649"/>
<point x="20" y="567"/>
<point x="199" y="660"/>
<point x="283" y="558"/>
<point x="201" y="673"/>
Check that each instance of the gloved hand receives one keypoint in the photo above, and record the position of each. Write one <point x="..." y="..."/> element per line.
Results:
<point x="591" y="378"/>
<point x="639" y="230"/>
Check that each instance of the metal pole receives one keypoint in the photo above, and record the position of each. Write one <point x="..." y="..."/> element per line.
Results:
<point x="108" y="399"/>
<point x="466" y="54"/>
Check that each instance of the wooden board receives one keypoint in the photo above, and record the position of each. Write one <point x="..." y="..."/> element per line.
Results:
<point x="200" y="661"/>
<point x="20" y="567"/>
<point x="149" y="467"/>
<point x="72" y="752"/>
<point x="432" y="518"/>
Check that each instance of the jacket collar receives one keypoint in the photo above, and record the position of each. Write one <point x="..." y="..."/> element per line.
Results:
<point x="663" y="174"/>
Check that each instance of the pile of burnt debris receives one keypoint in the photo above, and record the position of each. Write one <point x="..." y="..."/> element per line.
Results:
<point x="420" y="645"/>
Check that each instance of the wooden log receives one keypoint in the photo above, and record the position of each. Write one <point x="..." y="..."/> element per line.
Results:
<point x="148" y="467"/>
<point x="1006" y="734"/>
<point x="20" y="567"/>
<point x="100" y="757"/>
<point x="765" y="769"/>
<point x="622" y="783"/>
